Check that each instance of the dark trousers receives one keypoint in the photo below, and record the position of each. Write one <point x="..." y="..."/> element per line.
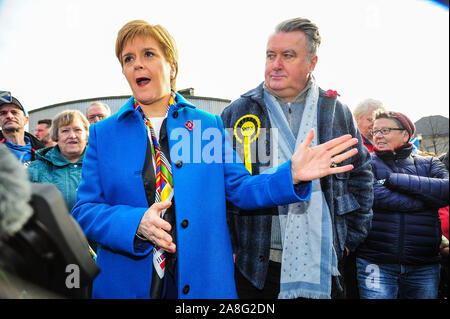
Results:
<point x="350" y="282"/>
<point x="246" y="290"/>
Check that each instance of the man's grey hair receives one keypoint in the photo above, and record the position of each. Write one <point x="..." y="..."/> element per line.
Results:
<point x="15" y="193"/>
<point x="311" y="31"/>
<point x="365" y="105"/>
<point x="106" y="106"/>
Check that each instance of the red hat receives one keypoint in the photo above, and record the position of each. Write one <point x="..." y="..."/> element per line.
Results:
<point x="406" y="122"/>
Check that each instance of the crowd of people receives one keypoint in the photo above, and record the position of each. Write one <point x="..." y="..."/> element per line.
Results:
<point x="303" y="199"/>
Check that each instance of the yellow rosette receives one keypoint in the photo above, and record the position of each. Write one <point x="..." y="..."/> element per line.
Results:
<point x="246" y="131"/>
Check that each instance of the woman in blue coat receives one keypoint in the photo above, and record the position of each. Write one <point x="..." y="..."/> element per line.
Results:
<point x="400" y="257"/>
<point x="160" y="151"/>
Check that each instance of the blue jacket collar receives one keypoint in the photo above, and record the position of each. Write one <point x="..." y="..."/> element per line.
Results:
<point x="128" y="107"/>
<point x="256" y="93"/>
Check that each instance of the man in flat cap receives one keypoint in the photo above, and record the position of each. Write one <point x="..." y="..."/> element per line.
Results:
<point x="13" y="119"/>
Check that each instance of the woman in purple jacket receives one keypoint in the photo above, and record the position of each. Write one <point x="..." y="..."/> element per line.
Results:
<point x="400" y="257"/>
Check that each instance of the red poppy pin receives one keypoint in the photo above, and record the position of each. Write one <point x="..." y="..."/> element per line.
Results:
<point x="331" y="93"/>
<point x="189" y="125"/>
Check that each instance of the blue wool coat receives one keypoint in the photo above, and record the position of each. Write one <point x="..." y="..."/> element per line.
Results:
<point x="206" y="173"/>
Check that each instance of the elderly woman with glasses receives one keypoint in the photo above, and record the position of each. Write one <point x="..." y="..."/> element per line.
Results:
<point x="400" y="257"/>
<point x="61" y="164"/>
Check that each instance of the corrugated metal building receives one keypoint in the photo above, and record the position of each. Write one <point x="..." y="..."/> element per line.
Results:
<point x="209" y="104"/>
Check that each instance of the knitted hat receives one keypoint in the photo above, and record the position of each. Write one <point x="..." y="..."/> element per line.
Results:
<point x="406" y="123"/>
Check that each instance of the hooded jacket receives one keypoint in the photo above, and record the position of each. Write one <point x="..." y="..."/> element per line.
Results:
<point x="52" y="168"/>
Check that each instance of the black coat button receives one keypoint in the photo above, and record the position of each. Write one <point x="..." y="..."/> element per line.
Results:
<point x="178" y="164"/>
<point x="184" y="223"/>
<point x="175" y="114"/>
<point x="261" y="258"/>
<point x="186" y="289"/>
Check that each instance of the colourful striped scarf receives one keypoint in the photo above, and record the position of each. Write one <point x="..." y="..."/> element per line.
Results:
<point x="164" y="191"/>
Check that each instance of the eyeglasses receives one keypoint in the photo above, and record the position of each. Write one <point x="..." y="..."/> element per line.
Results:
<point x="92" y="117"/>
<point x="385" y="130"/>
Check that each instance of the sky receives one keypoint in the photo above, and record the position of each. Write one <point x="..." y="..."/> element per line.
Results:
<point x="53" y="51"/>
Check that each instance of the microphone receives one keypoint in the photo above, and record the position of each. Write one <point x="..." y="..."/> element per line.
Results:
<point x="43" y="251"/>
<point x="15" y="194"/>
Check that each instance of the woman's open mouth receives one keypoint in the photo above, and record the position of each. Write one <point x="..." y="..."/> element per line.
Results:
<point x="142" y="81"/>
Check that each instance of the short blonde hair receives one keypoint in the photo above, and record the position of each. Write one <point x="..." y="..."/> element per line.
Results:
<point x="141" y="28"/>
<point x="66" y="118"/>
